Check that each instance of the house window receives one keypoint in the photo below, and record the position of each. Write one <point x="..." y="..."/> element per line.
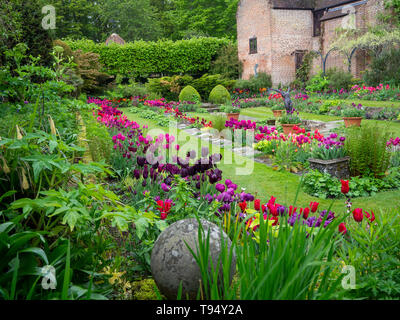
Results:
<point x="299" y="56"/>
<point x="317" y="15"/>
<point x="253" y="45"/>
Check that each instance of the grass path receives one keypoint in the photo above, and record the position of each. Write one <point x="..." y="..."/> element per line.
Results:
<point x="366" y="103"/>
<point x="266" y="182"/>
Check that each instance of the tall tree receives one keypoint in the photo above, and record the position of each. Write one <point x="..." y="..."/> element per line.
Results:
<point x="212" y="18"/>
<point x="131" y="19"/>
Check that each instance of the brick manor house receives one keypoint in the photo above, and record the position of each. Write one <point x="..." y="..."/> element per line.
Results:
<point x="274" y="35"/>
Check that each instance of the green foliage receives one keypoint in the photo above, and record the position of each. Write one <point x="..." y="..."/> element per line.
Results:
<point x="303" y="73"/>
<point x="323" y="185"/>
<point x="88" y="68"/>
<point x="218" y="122"/>
<point x="353" y="112"/>
<point x="384" y="68"/>
<point x="372" y="249"/>
<point x="318" y="83"/>
<point x="366" y="146"/>
<point x="262" y="274"/>
<point x="227" y="63"/>
<point x="207" y="82"/>
<point x="333" y="152"/>
<point x="168" y="87"/>
<point x="141" y="59"/>
<point x="20" y="22"/>
<point x="289" y="119"/>
<point x="254" y="84"/>
<point x="97" y="138"/>
<point x="219" y="95"/>
<point x="216" y="18"/>
<point x="339" y="79"/>
<point x="129" y="90"/>
<point x="189" y="93"/>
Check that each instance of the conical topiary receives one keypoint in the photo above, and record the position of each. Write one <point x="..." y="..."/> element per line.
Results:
<point x="189" y="93"/>
<point x="219" y="95"/>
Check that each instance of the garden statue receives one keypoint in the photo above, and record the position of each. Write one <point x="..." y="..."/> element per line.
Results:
<point x="286" y="99"/>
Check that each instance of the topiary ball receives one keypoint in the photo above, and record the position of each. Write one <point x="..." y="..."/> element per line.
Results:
<point x="173" y="263"/>
<point x="189" y="93"/>
<point x="219" y="95"/>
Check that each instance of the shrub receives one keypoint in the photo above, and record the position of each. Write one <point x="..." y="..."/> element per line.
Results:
<point x="366" y="146"/>
<point x="254" y="84"/>
<point x="67" y="53"/>
<point x="227" y="63"/>
<point x="131" y="90"/>
<point x="318" y="83"/>
<point x="141" y="58"/>
<point x="189" y="93"/>
<point x="339" y="79"/>
<point x="218" y="122"/>
<point x="219" y="95"/>
<point x="207" y="82"/>
<point x="384" y="68"/>
<point x="88" y="67"/>
<point x="168" y="87"/>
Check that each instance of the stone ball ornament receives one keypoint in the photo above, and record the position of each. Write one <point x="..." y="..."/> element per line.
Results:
<point x="173" y="263"/>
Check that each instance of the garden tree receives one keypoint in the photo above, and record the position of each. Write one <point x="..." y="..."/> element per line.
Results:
<point x="164" y="13"/>
<point x="131" y="19"/>
<point x="227" y="62"/>
<point x="212" y="18"/>
<point x="76" y="19"/>
<point x="10" y="27"/>
<point x="20" y="21"/>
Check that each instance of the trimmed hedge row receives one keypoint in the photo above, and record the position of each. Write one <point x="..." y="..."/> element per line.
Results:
<point x="142" y="58"/>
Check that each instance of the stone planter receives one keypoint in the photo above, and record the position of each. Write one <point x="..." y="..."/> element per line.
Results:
<point x="338" y="168"/>
<point x="233" y="115"/>
<point x="352" y="121"/>
<point x="277" y="113"/>
<point x="288" y="128"/>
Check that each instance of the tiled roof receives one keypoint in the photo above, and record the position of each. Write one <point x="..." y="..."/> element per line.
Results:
<point x="308" y="4"/>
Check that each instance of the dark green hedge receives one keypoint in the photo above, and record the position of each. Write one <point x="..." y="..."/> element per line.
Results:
<point x="141" y="58"/>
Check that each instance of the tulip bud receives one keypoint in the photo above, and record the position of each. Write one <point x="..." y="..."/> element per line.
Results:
<point x="52" y="126"/>
<point x="19" y="135"/>
<point x="24" y="184"/>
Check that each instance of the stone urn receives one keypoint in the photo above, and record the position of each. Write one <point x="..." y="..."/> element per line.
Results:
<point x="233" y="115"/>
<point x="277" y="113"/>
<point x="288" y="128"/>
<point x="338" y="168"/>
<point x="172" y="263"/>
<point x="352" y="121"/>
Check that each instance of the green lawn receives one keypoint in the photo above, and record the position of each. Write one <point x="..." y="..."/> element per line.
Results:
<point x="368" y="103"/>
<point x="265" y="182"/>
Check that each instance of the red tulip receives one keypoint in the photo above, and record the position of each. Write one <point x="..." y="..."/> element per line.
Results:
<point x="306" y="212"/>
<point x="257" y="203"/>
<point x="370" y="217"/>
<point x="263" y="207"/>
<point x="314" y="206"/>
<point x="342" y="228"/>
<point x="292" y="210"/>
<point x="243" y="205"/>
<point x="345" y="186"/>
<point x="272" y="200"/>
<point x="358" y="215"/>
<point x="273" y="210"/>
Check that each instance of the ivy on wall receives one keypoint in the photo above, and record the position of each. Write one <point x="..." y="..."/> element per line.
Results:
<point x="141" y="58"/>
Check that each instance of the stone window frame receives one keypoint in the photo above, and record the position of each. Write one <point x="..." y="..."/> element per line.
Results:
<point x="253" y="45"/>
